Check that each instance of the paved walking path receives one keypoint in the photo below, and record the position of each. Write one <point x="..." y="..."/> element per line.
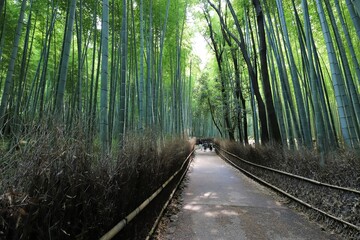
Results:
<point x="219" y="202"/>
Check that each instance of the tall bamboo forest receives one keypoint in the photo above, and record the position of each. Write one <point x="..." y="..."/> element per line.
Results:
<point x="277" y="71"/>
<point x="100" y="101"/>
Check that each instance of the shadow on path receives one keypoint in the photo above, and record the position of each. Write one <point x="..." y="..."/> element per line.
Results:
<point x="222" y="203"/>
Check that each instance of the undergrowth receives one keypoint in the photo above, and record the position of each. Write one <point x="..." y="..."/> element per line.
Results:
<point x="55" y="186"/>
<point x="342" y="167"/>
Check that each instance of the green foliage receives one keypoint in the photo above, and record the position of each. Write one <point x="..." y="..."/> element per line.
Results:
<point x="247" y="18"/>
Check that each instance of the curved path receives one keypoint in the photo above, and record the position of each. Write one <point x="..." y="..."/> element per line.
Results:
<point x="219" y="202"/>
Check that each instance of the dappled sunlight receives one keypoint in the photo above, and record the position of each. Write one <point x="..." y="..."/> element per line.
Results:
<point x="229" y="212"/>
<point x="214" y="210"/>
<point x="221" y="211"/>
<point x="192" y="207"/>
<point x="209" y="195"/>
<point x="204" y="197"/>
<point x="211" y="214"/>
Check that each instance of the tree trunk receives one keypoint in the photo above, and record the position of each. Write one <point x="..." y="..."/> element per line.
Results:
<point x="2" y="3"/>
<point x="354" y="106"/>
<point x="104" y="79"/>
<point x="219" y="51"/>
<point x="149" y="78"/>
<point x="355" y="16"/>
<point x="346" y="121"/>
<point x="10" y="71"/>
<point x="141" y="80"/>
<point x="2" y="26"/>
<point x="124" y="45"/>
<point x="251" y="72"/>
<point x="302" y="115"/>
<point x="65" y="54"/>
<point x="273" y="123"/>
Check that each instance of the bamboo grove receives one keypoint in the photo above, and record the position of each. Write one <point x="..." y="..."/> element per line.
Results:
<point x="283" y="71"/>
<point x="108" y="67"/>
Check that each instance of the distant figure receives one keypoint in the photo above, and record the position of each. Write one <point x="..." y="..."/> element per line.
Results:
<point x="205" y="146"/>
<point x="211" y="147"/>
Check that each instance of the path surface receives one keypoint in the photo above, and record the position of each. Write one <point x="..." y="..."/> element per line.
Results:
<point x="219" y="202"/>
